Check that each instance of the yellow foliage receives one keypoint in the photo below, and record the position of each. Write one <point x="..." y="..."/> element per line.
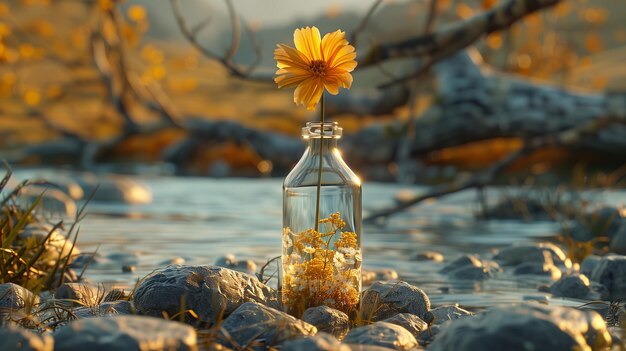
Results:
<point x="494" y="40"/>
<point x="137" y="13"/>
<point x="595" y="15"/>
<point x="31" y="97"/>
<point x="464" y="11"/>
<point x="4" y="10"/>
<point x="106" y="5"/>
<point x="5" y="30"/>
<point x="487" y="4"/>
<point x="593" y="43"/>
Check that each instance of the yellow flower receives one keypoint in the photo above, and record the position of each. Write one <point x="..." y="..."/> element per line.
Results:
<point x="315" y="64"/>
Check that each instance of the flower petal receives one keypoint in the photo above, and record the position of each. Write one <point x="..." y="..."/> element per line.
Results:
<point x="287" y="56"/>
<point x="332" y="43"/>
<point x="308" y="93"/>
<point x="308" y="41"/>
<point x="289" y="80"/>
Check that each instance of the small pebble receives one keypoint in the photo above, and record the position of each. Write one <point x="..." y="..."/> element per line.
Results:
<point x="129" y="269"/>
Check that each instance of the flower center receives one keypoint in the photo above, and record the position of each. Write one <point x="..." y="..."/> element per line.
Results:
<point x="318" y="67"/>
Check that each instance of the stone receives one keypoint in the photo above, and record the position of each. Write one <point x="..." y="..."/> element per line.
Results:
<point x="52" y="201"/>
<point x="231" y="262"/>
<point x="429" y="335"/>
<point x="105" y="309"/>
<point x="618" y="243"/>
<point x="611" y="272"/>
<point x="538" y="268"/>
<point x="124" y="258"/>
<point x="16" y="338"/>
<point x="265" y="326"/>
<point x="327" y="319"/>
<point x="430" y="256"/>
<point x="525" y="327"/>
<point x="79" y="294"/>
<point x="469" y="267"/>
<point x="386" y="299"/>
<point x="589" y="264"/>
<point x="125" y="333"/>
<point x="209" y="291"/>
<point x="129" y="269"/>
<point x="14" y="298"/>
<point x="532" y="252"/>
<point x="56" y="246"/>
<point x="414" y="324"/>
<point x="443" y="314"/>
<point x="382" y="334"/>
<point x="318" y="342"/>
<point x="576" y="286"/>
<point x="113" y="188"/>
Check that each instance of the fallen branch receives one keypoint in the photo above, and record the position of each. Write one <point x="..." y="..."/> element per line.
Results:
<point x="481" y="179"/>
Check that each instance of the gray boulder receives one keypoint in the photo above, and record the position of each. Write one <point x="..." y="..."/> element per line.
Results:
<point x="318" y="342"/>
<point x="209" y="291"/>
<point x="532" y="252"/>
<point x="105" y="309"/>
<point x="15" y="338"/>
<point x="52" y="201"/>
<point x="327" y="319"/>
<point x="386" y="299"/>
<point x="576" y="286"/>
<point x="370" y="276"/>
<point x="430" y="256"/>
<point x="261" y="325"/>
<point x="469" y="267"/>
<point x="525" y="327"/>
<point x="79" y="294"/>
<point x="129" y="333"/>
<point x="14" y="297"/>
<point x="443" y="314"/>
<point x="589" y="264"/>
<point x="611" y="272"/>
<point x="618" y="243"/>
<point x="546" y="269"/>
<point x="55" y="246"/>
<point x="382" y="334"/>
<point x="113" y="188"/>
<point x="414" y="324"/>
<point x="231" y="262"/>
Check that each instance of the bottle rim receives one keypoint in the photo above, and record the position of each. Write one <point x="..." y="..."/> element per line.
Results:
<point x="315" y="129"/>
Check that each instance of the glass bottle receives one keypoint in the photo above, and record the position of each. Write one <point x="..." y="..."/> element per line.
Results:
<point x="321" y="265"/>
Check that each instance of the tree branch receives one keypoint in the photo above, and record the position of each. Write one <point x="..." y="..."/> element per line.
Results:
<point x="457" y="36"/>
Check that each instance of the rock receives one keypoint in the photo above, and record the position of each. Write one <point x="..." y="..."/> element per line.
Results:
<point x="525" y="327"/>
<point x="65" y="276"/>
<point x="538" y="268"/>
<point x="618" y="243"/>
<point x="80" y="294"/>
<point x="611" y="272"/>
<point x="231" y="262"/>
<point x="91" y="259"/>
<point x="429" y="335"/>
<point x="265" y="326"/>
<point x="125" y="258"/>
<point x="589" y="264"/>
<point x="533" y="252"/>
<point x="443" y="314"/>
<point x="15" y="338"/>
<point x="14" y="298"/>
<point x="175" y="260"/>
<point x="317" y="342"/>
<point x="53" y="201"/>
<point x="113" y="188"/>
<point x="124" y="333"/>
<point x="55" y="245"/>
<point x="414" y="324"/>
<point x="382" y="334"/>
<point x="129" y="269"/>
<point x="327" y="319"/>
<point x="60" y="182"/>
<point x="105" y="309"/>
<point x="368" y="277"/>
<point x="430" y="256"/>
<point x="469" y="267"/>
<point x="207" y="290"/>
<point x="576" y="286"/>
<point x="386" y="299"/>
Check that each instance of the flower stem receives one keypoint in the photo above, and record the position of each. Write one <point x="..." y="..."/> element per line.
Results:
<point x="319" y="174"/>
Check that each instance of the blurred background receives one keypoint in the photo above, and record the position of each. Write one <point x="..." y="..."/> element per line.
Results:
<point x="185" y="87"/>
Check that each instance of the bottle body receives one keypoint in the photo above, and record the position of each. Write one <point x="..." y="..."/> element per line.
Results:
<point x="321" y="264"/>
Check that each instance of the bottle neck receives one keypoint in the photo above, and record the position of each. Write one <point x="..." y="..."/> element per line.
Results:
<point x="328" y="145"/>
